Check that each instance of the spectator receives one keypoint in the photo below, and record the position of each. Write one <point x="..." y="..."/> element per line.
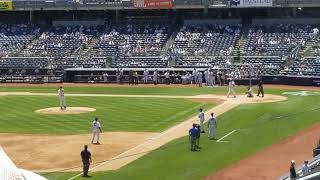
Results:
<point x="293" y="173"/>
<point x="306" y="168"/>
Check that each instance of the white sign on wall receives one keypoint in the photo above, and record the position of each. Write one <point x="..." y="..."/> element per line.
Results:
<point x="252" y="3"/>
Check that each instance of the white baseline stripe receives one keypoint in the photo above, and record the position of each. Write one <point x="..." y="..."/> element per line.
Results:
<point x="226" y="135"/>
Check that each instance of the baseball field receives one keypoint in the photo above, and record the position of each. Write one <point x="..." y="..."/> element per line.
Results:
<point x="145" y="131"/>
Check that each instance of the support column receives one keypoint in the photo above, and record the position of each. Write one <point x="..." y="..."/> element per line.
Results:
<point x="30" y="16"/>
<point x="117" y="15"/>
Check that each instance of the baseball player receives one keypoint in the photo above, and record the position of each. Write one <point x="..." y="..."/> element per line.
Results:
<point x="212" y="125"/>
<point x="250" y="92"/>
<point x="145" y="76"/>
<point x="62" y="99"/>
<point x="232" y="85"/>
<point x="96" y="130"/>
<point x="194" y="76"/>
<point x="199" y="79"/>
<point x="206" y="77"/>
<point x="155" y="77"/>
<point x="201" y="118"/>
<point x="212" y="80"/>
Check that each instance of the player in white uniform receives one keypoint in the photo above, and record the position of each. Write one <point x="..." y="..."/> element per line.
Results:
<point x="96" y="130"/>
<point x="232" y="85"/>
<point x="145" y="76"/>
<point x="201" y="118"/>
<point x="62" y="99"/>
<point x="212" y="125"/>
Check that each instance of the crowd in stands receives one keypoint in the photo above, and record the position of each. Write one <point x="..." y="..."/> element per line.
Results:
<point x="132" y="39"/>
<point x="267" y="49"/>
<point x="61" y="41"/>
<point x="205" y="39"/>
<point x="309" y="66"/>
<point x="277" y="39"/>
<point x="14" y="37"/>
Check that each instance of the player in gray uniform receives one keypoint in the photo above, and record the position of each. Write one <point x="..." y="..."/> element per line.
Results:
<point x="211" y="78"/>
<point x="145" y="76"/>
<point x="63" y="105"/>
<point x="212" y="125"/>
<point x="155" y="77"/>
<point x="200" y="76"/>
<point x="201" y="118"/>
<point x="194" y="76"/>
<point x="206" y="77"/>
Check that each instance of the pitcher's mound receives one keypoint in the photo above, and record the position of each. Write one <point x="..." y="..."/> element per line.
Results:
<point x="69" y="110"/>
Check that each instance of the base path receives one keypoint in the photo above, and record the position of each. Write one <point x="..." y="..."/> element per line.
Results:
<point x="274" y="161"/>
<point x="118" y="160"/>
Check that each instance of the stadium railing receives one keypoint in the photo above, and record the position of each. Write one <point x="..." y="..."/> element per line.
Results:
<point x="313" y="163"/>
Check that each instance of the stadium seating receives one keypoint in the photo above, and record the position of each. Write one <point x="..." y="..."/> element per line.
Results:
<point x="60" y="41"/>
<point x="145" y="62"/>
<point x="14" y="37"/>
<point x="309" y="66"/>
<point x="277" y="39"/>
<point x="138" y="38"/>
<point x="200" y="62"/>
<point x="205" y="39"/>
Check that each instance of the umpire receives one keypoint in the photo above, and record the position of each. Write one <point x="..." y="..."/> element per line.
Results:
<point x="86" y="160"/>
<point x="260" y="90"/>
<point x="193" y="133"/>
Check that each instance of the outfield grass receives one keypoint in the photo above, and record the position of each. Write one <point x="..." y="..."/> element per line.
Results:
<point x="186" y="91"/>
<point x="261" y="125"/>
<point x="115" y="113"/>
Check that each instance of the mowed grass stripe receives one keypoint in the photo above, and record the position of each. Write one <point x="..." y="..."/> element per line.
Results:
<point x="115" y="114"/>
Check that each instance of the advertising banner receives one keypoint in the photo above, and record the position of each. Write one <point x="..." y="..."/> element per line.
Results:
<point x="5" y="5"/>
<point x="153" y="4"/>
<point x="252" y="3"/>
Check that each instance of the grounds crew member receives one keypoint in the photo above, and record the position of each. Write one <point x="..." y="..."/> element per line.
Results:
<point x="62" y="99"/>
<point x="86" y="160"/>
<point x="201" y="118"/>
<point x="96" y="130"/>
<point x="193" y="133"/>
<point x="212" y="125"/>
<point x="260" y="90"/>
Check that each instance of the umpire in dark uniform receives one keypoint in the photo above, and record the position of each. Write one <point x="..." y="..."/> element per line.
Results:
<point x="86" y="160"/>
<point x="260" y="90"/>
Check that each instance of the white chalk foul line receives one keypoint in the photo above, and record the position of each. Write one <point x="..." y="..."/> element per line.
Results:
<point x="220" y="140"/>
